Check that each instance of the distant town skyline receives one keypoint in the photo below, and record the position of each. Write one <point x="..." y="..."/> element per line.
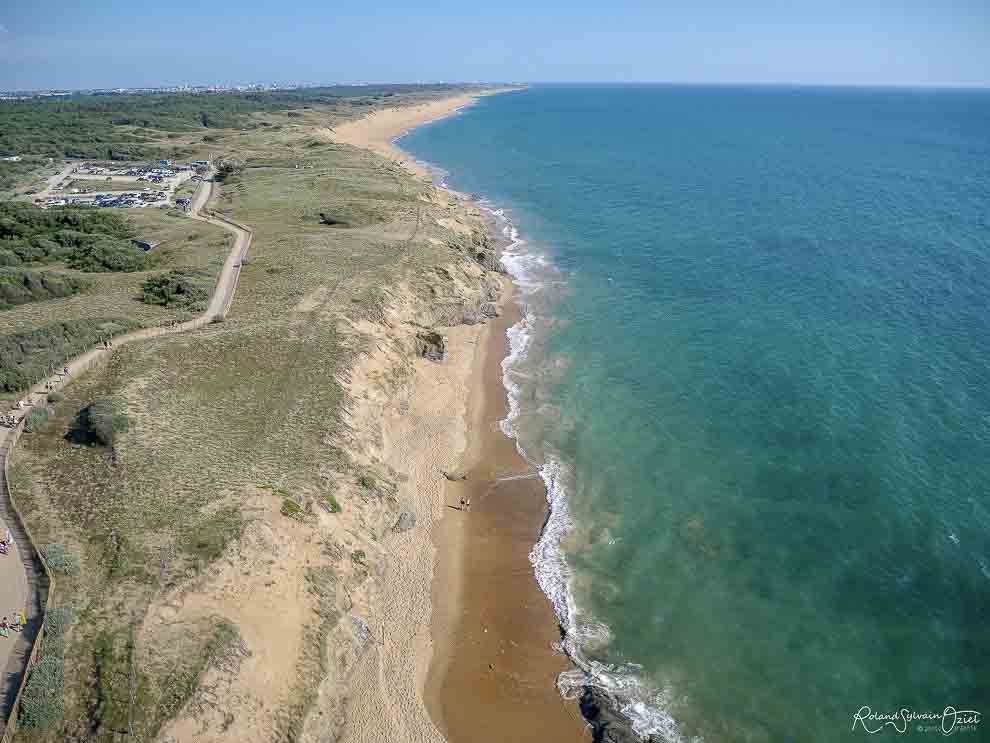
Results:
<point x="110" y="44"/>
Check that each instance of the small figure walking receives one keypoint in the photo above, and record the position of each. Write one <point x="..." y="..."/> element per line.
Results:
<point x="463" y="504"/>
<point x="467" y="504"/>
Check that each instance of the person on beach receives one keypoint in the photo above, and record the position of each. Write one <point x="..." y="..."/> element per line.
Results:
<point x="467" y="504"/>
<point x="462" y="504"/>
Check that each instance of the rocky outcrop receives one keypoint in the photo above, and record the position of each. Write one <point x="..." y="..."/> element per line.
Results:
<point x="607" y="726"/>
<point x="406" y="521"/>
<point x="431" y="345"/>
<point x="489" y="261"/>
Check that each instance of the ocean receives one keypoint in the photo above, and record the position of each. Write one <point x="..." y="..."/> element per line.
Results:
<point x="755" y="373"/>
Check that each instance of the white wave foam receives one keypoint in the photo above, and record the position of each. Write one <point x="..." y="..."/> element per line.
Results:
<point x="642" y="705"/>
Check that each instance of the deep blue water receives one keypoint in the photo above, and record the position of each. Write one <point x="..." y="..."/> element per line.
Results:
<point x="759" y="363"/>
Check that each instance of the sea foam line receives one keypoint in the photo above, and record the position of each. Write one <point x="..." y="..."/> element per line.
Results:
<point x="641" y="704"/>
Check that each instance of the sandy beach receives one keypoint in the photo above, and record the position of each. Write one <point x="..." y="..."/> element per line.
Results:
<point x="465" y="636"/>
<point x="378" y="130"/>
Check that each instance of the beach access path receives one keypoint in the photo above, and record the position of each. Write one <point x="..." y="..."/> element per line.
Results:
<point x="20" y="579"/>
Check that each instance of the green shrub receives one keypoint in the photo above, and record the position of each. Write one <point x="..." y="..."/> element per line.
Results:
<point x="291" y="508"/>
<point x="332" y="505"/>
<point x="36" y="419"/>
<point x="61" y="560"/>
<point x="42" y="704"/>
<point x="29" y="234"/>
<point x="58" y="620"/>
<point x="19" y="286"/>
<point x="209" y="537"/>
<point x="100" y="422"/>
<point x="54" y="397"/>
<point x="359" y="556"/>
<point x="174" y="289"/>
<point x="107" y="255"/>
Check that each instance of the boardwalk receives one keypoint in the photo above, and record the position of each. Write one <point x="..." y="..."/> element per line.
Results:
<point x="23" y="581"/>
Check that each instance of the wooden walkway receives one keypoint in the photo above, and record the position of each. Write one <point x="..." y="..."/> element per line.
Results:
<point x="25" y="582"/>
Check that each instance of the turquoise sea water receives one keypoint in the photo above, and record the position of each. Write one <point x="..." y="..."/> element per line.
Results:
<point x="756" y="368"/>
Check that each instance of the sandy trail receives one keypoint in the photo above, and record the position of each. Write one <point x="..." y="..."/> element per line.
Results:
<point x="18" y="584"/>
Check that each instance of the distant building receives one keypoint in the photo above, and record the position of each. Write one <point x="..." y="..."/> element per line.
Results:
<point x="11" y="158"/>
<point x="164" y="163"/>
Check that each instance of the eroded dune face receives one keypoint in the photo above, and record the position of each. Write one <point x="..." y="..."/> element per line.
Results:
<point x="311" y="428"/>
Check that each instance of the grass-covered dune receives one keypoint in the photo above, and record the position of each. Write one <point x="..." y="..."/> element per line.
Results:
<point x="25" y="358"/>
<point x="88" y="284"/>
<point x="240" y="472"/>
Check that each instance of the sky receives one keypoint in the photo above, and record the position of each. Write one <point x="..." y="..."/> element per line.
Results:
<point x="108" y="43"/>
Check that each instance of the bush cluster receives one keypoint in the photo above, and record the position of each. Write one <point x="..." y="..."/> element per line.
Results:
<point x="36" y="420"/>
<point x="19" y="286"/>
<point x="174" y="289"/>
<point x="30" y="235"/>
<point x="105" y="256"/>
<point x="29" y="356"/>
<point x="61" y="560"/>
<point x="43" y="702"/>
<point x="100" y="422"/>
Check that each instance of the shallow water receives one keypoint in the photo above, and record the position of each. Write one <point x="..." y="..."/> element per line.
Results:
<point x="758" y="358"/>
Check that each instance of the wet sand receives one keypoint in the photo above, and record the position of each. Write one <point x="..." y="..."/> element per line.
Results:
<point x="493" y="673"/>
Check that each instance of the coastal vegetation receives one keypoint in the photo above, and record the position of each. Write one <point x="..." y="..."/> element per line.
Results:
<point x="172" y="505"/>
<point x="176" y="289"/>
<point x="32" y="338"/>
<point x="31" y="235"/>
<point x="20" y="286"/>
<point x="133" y="127"/>
<point x="29" y="356"/>
<point x="43" y="704"/>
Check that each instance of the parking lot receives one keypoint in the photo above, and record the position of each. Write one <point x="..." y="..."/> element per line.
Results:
<point x="121" y="186"/>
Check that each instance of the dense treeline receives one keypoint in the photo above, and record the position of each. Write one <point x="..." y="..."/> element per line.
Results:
<point x="84" y="238"/>
<point x="123" y="127"/>
<point x="27" y="357"/>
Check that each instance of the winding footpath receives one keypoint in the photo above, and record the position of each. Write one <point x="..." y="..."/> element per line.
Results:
<point x="24" y="581"/>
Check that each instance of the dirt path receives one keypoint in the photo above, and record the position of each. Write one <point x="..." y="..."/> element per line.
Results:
<point x="22" y="581"/>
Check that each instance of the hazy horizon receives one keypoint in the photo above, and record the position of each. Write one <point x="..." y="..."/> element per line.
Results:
<point x="873" y="43"/>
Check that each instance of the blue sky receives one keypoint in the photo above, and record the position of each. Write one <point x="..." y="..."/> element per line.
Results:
<point x="107" y="43"/>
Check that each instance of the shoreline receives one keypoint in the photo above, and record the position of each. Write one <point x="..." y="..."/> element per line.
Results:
<point x="494" y="662"/>
<point x="378" y="130"/>
<point x="483" y="664"/>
